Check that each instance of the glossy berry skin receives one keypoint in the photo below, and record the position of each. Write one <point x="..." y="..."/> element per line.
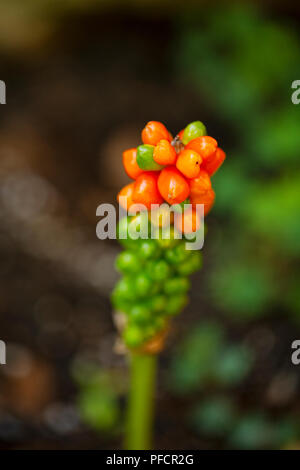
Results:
<point x="214" y="163"/>
<point x="200" y="184"/>
<point x="207" y="198"/>
<point x="192" y="131"/>
<point x="127" y="193"/>
<point x="130" y="164"/>
<point x="155" y="131"/>
<point x="128" y="262"/>
<point x="172" y="185"/>
<point x="188" y="163"/>
<point x="206" y="146"/>
<point x="145" y="158"/>
<point x="164" y="153"/>
<point x="146" y="191"/>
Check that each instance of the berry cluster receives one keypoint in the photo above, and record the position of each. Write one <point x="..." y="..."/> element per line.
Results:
<point x="155" y="271"/>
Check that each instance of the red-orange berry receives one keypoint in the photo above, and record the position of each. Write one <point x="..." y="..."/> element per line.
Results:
<point x="126" y="193"/>
<point x="153" y="132"/>
<point x="145" y="189"/>
<point x="214" y="163"/>
<point x="130" y="164"/>
<point x="172" y="185"/>
<point x="180" y="134"/>
<point x="207" y="198"/>
<point x="200" y="184"/>
<point x="205" y="146"/>
<point x="164" y="153"/>
<point x="188" y="162"/>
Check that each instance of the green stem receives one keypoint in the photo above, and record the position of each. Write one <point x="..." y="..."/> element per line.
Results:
<point x="141" y="402"/>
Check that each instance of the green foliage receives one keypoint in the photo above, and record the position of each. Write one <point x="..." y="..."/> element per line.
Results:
<point x="214" y="417"/>
<point x="219" y="417"/>
<point x="234" y="366"/>
<point x="242" y="290"/>
<point x="196" y="358"/>
<point x="253" y="431"/>
<point x="98" y="396"/>
<point x="204" y="357"/>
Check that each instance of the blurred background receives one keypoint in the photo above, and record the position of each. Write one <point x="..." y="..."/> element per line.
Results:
<point x="83" y="78"/>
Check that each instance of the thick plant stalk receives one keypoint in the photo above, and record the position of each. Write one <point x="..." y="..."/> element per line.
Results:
<point x="141" y="401"/>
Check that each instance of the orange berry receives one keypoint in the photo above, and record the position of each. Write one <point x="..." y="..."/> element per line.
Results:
<point x="205" y="146"/>
<point x="214" y="163"/>
<point x="200" y="184"/>
<point x="187" y="222"/>
<point x="130" y="164"/>
<point x="153" y="132"/>
<point x="145" y="189"/>
<point x="127" y="193"/>
<point x="180" y="134"/>
<point x="207" y="198"/>
<point x="172" y="185"/>
<point x="164" y="153"/>
<point x="188" y="162"/>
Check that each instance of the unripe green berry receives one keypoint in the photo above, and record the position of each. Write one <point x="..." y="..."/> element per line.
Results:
<point x="145" y="159"/>
<point x="192" y="131"/>
<point x="128" y="262"/>
<point x="175" y="304"/>
<point x="133" y="336"/>
<point x="190" y="265"/>
<point x="149" y="249"/>
<point x="177" y="285"/>
<point x="140" y="314"/>
<point x="158" y="270"/>
<point x="178" y="254"/>
<point x="143" y="285"/>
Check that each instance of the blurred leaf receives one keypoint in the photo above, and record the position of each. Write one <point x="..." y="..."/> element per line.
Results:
<point x="196" y="357"/>
<point x="252" y="432"/>
<point x="99" y="408"/>
<point x="213" y="417"/>
<point x="242" y="290"/>
<point x="234" y="365"/>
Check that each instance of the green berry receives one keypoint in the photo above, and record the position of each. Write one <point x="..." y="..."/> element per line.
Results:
<point x="178" y="254"/>
<point x="120" y="303"/>
<point x="143" y="285"/>
<point x="125" y="289"/>
<point x="140" y="314"/>
<point x="133" y="336"/>
<point x="191" y="264"/>
<point x="157" y="303"/>
<point x="192" y="131"/>
<point x="158" y="270"/>
<point x="169" y="240"/>
<point x="127" y="262"/>
<point x="149" y="249"/>
<point x="177" y="285"/>
<point x="145" y="159"/>
<point x="175" y="304"/>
